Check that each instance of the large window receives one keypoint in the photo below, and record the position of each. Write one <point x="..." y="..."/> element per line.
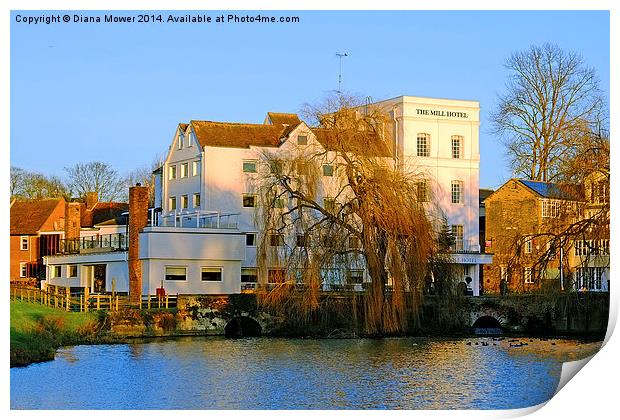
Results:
<point x="422" y="190"/>
<point x="211" y="274"/>
<point x="424" y="145"/>
<point x="590" y="278"/>
<point x="195" y="167"/>
<point x="457" y="192"/>
<point x="585" y="248"/>
<point x="172" y="172"/>
<point x="176" y="273"/>
<point x="184" y="170"/>
<point x="72" y="271"/>
<point x="457" y="147"/>
<point x="457" y="231"/>
<point x="23" y="243"/>
<point x="250" y="166"/>
<point x="550" y="208"/>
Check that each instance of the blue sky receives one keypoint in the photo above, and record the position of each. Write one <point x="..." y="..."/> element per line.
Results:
<point x="115" y="92"/>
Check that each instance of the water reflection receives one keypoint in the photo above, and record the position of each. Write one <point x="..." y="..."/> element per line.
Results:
<point x="262" y="373"/>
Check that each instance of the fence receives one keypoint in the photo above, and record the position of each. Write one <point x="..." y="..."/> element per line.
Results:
<point x="62" y="298"/>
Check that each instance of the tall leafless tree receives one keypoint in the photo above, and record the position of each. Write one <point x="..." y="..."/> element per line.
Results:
<point x="32" y="185"/>
<point x="96" y="177"/>
<point x="551" y="98"/>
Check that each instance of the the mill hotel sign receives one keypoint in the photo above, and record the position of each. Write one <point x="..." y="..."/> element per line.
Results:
<point x="440" y="113"/>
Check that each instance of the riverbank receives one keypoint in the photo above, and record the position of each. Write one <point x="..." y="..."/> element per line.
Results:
<point x="38" y="331"/>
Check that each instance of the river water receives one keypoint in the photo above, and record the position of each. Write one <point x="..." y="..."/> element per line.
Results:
<point x="272" y="373"/>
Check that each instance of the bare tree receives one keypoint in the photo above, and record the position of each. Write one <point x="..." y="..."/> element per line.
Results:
<point x="144" y="176"/>
<point x="96" y="177"/>
<point x="32" y="185"/>
<point x="333" y="208"/>
<point x="551" y="97"/>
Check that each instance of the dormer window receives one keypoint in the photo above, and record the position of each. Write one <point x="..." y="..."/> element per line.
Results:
<point x="180" y="141"/>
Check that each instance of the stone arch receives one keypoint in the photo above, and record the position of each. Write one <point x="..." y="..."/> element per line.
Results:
<point x="486" y="321"/>
<point x="242" y="326"/>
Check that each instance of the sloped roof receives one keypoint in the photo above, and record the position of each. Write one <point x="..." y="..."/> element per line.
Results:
<point x="483" y="193"/>
<point x="283" y="118"/>
<point x="102" y="212"/>
<point x="28" y="216"/>
<point x="359" y="142"/>
<point x="225" y="134"/>
<point x="553" y="190"/>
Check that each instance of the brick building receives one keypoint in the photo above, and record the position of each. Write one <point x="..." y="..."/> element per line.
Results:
<point x="522" y="218"/>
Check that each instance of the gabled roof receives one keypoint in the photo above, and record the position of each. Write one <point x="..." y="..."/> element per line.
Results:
<point x="283" y="118"/>
<point x="359" y="142"/>
<point x="28" y="216"/>
<point x="225" y="134"/>
<point x="553" y="190"/>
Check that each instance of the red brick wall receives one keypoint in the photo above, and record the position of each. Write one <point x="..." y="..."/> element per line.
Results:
<point x="72" y="220"/>
<point x="138" y="216"/>
<point x="18" y="256"/>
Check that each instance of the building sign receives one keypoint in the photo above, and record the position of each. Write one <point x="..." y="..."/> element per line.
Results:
<point x="440" y="113"/>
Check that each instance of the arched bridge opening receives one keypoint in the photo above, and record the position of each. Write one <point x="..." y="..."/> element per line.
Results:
<point x="487" y="325"/>
<point x="242" y="326"/>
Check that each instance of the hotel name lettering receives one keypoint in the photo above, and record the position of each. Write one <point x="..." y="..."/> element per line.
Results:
<point x="439" y="113"/>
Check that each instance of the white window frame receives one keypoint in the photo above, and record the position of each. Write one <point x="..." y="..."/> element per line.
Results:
<point x="249" y="271"/>
<point x="184" y="170"/>
<point x="253" y="235"/>
<point x="458" y="231"/>
<point x="528" y="245"/>
<point x="172" y="203"/>
<point x="179" y="267"/>
<point x="528" y="275"/>
<point x="457" y="152"/>
<point x="454" y="186"/>
<point x="423" y="145"/>
<point x="56" y="271"/>
<point x="422" y="190"/>
<point x="23" y="270"/>
<point x="24" y="240"/>
<point x="180" y="141"/>
<point x="69" y="270"/>
<point x="195" y="166"/>
<point x="184" y="202"/>
<point x="172" y="172"/>
<point x="212" y="270"/>
<point x="196" y="203"/>
<point x="550" y="208"/>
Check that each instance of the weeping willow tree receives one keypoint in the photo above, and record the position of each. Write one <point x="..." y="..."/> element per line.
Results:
<point x="334" y="209"/>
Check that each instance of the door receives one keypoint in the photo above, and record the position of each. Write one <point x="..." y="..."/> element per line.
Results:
<point x="99" y="278"/>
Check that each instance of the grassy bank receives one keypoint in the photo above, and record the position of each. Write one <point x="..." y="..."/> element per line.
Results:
<point x="37" y="331"/>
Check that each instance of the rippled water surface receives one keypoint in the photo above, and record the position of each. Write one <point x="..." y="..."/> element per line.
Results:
<point x="268" y="373"/>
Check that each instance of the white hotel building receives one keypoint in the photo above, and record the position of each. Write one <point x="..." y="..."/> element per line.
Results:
<point x="202" y="237"/>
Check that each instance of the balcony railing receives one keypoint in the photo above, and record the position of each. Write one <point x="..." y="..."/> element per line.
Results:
<point x="197" y="219"/>
<point x="465" y="247"/>
<point x="97" y="243"/>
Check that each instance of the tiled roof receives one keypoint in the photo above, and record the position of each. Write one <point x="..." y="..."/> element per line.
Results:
<point x="220" y="134"/>
<point x="28" y="216"/>
<point x="552" y="190"/>
<point x="102" y="212"/>
<point x="282" y="118"/>
<point x="360" y="142"/>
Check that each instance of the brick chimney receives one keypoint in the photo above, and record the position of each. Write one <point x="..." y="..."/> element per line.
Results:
<point x="92" y="198"/>
<point x="72" y="220"/>
<point x="138" y="216"/>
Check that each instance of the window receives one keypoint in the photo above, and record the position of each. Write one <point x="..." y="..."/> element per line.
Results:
<point x="184" y="170"/>
<point x="599" y="192"/>
<point x="211" y="274"/>
<point x="302" y="140"/>
<point x="328" y="170"/>
<point x="176" y="273"/>
<point x="585" y="248"/>
<point x="248" y="275"/>
<point x="276" y="275"/>
<point x="56" y="271"/>
<point x="355" y="276"/>
<point x="72" y="271"/>
<point x="195" y="168"/>
<point x="527" y="275"/>
<point x="423" y="146"/>
<point x="190" y="140"/>
<point x="184" y="201"/>
<point x="196" y="200"/>
<point x="550" y="208"/>
<point x="172" y="172"/>
<point x="172" y="203"/>
<point x="301" y="240"/>
<point x="23" y="270"/>
<point x="590" y="278"/>
<point x="23" y="243"/>
<point x="250" y="239"/>
<point x="528" y="246"/>
<point x="457" y="147"/>
<point x="422" y="191"/>
<point x="249" y="200"/>
<point x="329" y="204"/>
<point x="457" y="231"/>
<point x="249" y="166"/>
<point x="457" y="192"/>
<point x="180" y="141"/>
<point x="276" y="240"/>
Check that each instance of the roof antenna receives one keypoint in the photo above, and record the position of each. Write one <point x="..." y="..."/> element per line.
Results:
<point x="340" y="55"/>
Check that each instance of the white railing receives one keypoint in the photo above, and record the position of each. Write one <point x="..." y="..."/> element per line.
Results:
<point x="197" y="219"/>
